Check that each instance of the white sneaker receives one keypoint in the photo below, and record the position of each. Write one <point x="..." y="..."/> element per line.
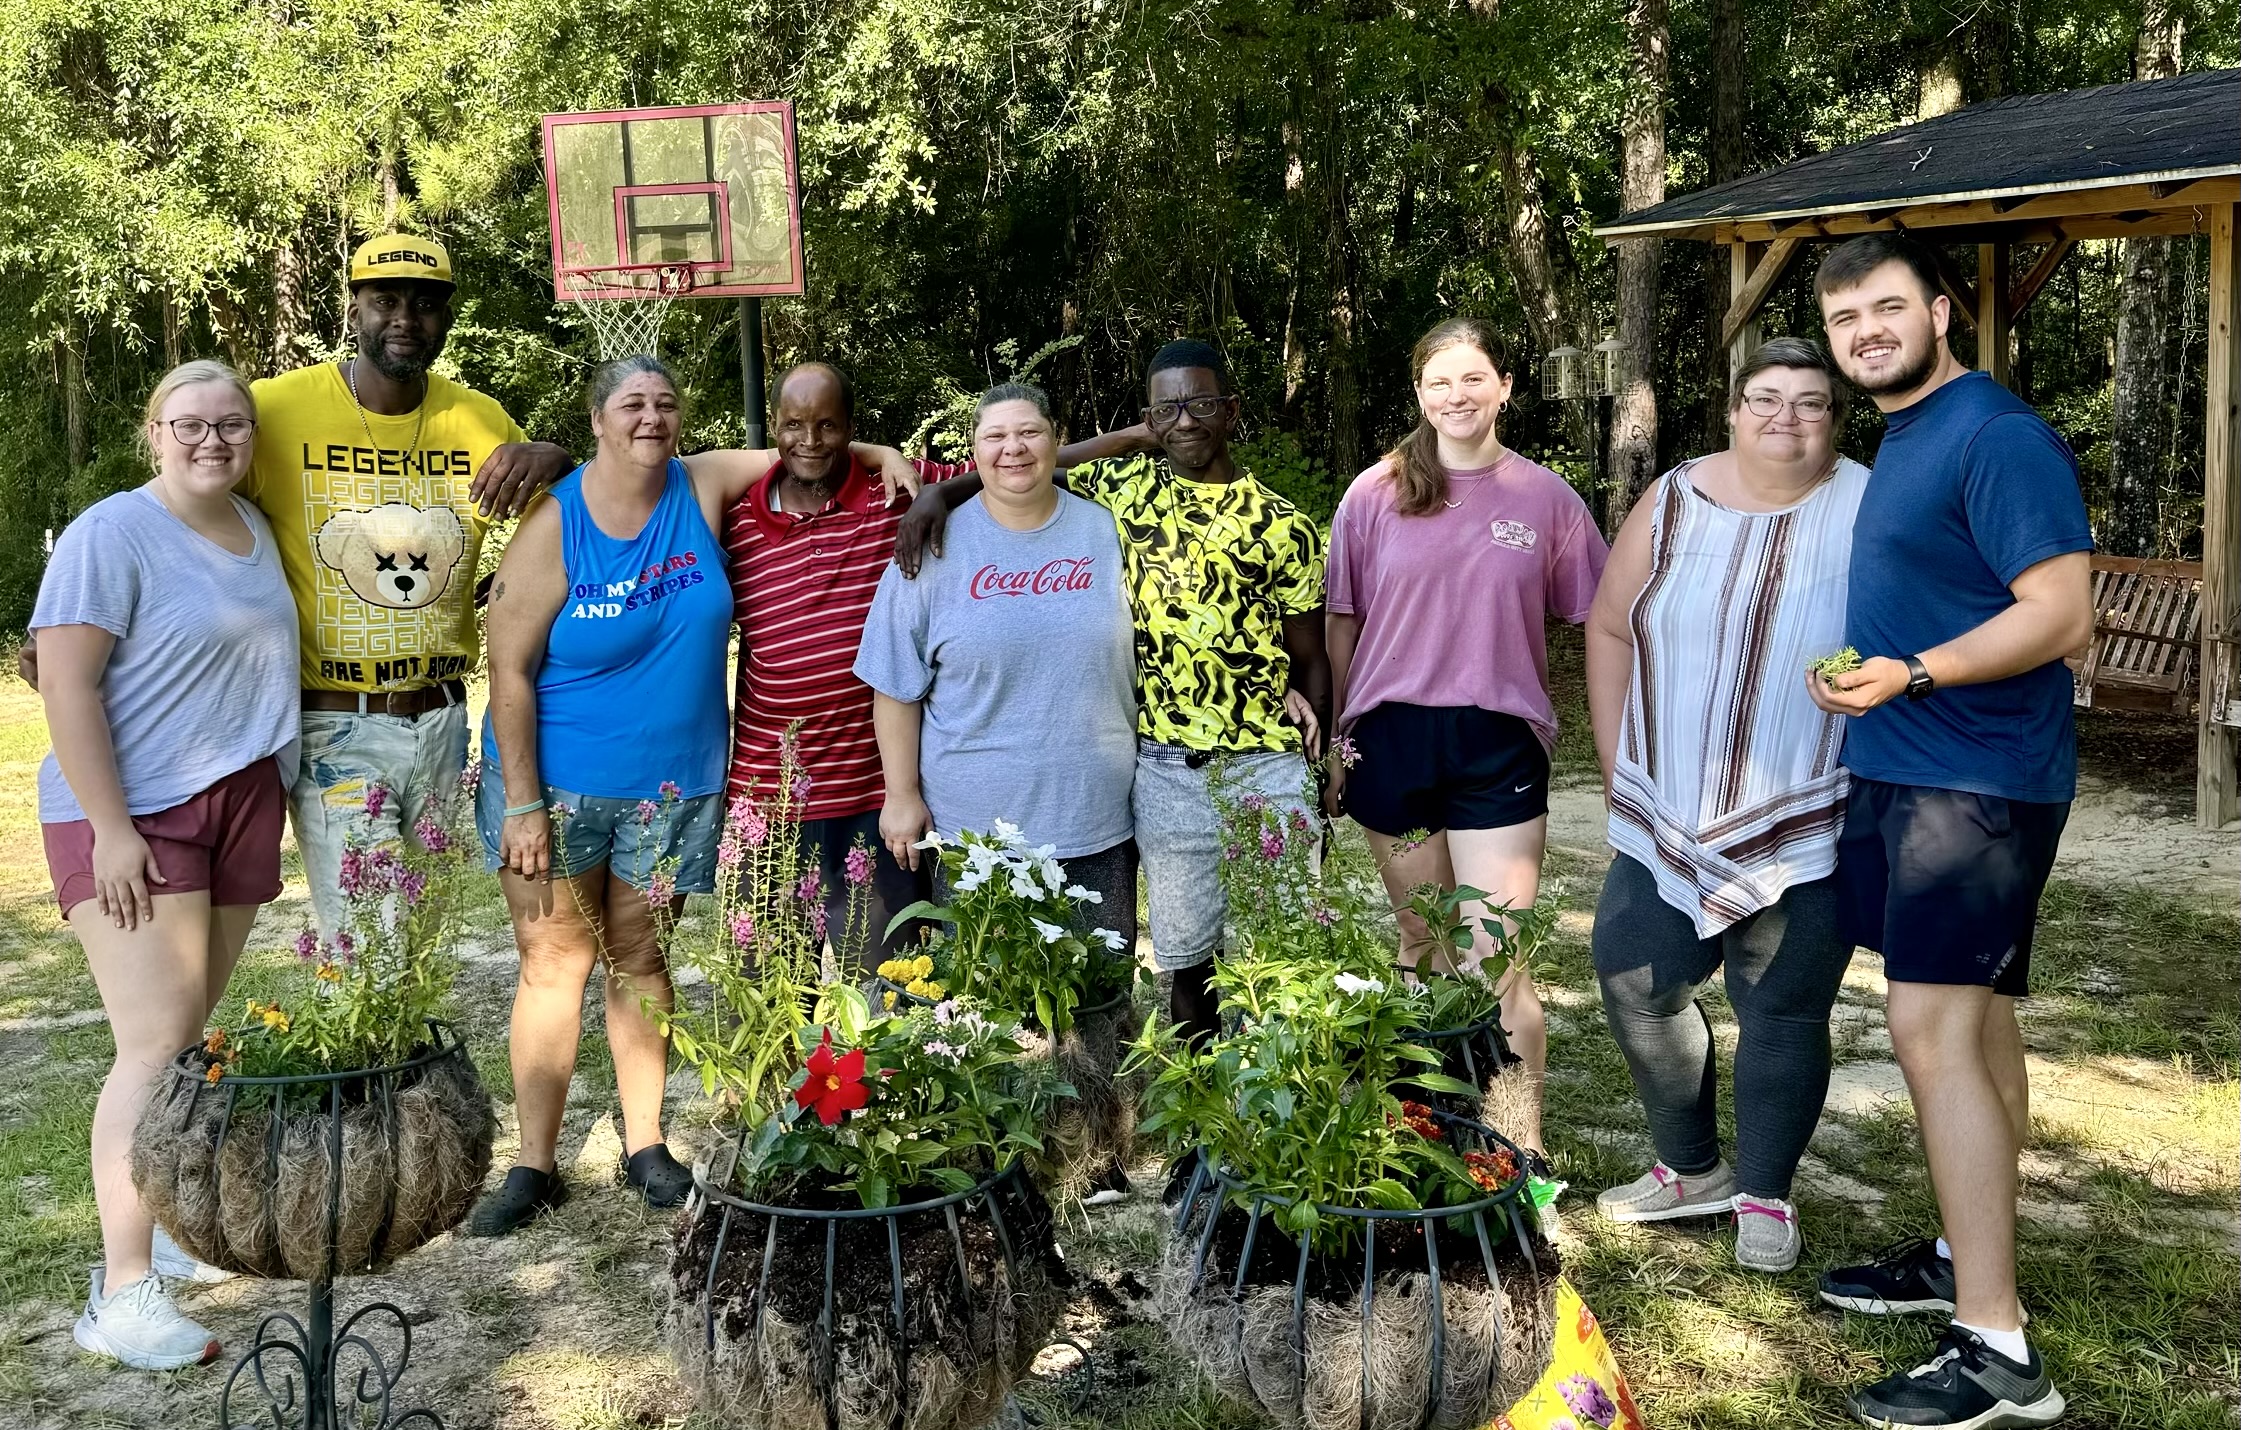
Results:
<point x="140" y="1327"/>
<point x="1661" y="1194"/>
<point x="173" y="1263"/>
<point x="1767" y="1237"/>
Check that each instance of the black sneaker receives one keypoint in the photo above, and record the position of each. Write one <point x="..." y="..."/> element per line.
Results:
<point x="660" y="1178"/>
<point x="526" y="1195"/>
<point x="1966" y="1385"/>
<point x="1902" y="1280"/>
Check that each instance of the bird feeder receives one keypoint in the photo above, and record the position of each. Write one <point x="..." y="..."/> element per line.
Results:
<point x="1603" y="369"/>
<point x="1564" y="374"/>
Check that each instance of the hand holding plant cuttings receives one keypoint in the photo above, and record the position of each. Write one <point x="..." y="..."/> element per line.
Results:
<point x="367" y="997"/>
<point x="889" y="1106"/>
<point x="1829" y="667"/>
<point x="1011" y="941"/>
<point x="762" y="951"/>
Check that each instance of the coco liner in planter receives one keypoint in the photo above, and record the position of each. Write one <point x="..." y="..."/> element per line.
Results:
<point x="239" y="1171"/>
<point x="1444" y="1317"/>
<point x="912" y="1317"/>
<point x="1479" y="1054"/>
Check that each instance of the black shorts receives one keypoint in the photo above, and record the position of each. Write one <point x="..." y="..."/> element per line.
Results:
<point x="1435" y="767"/>
<point x="1945" y="883"/>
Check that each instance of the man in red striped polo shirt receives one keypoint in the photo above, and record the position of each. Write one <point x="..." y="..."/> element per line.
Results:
<point x="807" y="544"/>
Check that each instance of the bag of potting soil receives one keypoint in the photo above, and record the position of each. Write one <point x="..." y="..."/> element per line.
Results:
<point x="1582" y="1388"/>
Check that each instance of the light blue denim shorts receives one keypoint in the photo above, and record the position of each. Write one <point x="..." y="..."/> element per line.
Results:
<point x="1179" y="839"/>
<point x="630" y="837"/>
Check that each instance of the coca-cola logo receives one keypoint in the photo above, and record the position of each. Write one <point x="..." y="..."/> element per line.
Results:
<point x="1065" y="573"/>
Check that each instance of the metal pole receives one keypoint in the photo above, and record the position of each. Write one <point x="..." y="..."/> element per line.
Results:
<point x="751" y="368"/>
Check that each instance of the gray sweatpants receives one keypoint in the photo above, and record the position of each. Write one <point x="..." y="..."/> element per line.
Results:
<point x="1782" y="967"/>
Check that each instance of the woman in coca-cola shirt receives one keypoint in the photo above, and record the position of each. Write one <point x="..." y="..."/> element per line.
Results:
<point x="1003" y="677"/>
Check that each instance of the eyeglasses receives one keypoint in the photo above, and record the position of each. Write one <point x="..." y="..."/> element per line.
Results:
<point x="1767" y="404"/>
<point x="233" y="431"/>
<point x="1167" y="414"/>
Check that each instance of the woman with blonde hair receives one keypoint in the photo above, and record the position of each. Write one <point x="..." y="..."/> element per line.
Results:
<point x="167" y="662"/>
<point x="1447" y="559"/>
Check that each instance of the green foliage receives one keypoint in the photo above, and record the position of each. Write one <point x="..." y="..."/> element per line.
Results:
<point x="887" y="1107"/>
<point x="1834" y="664"/>
<point x="1280" y="462"/>
<point x="1010" y="941"/>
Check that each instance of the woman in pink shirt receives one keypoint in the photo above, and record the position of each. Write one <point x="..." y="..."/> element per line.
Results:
<point x="1446" y="560"/>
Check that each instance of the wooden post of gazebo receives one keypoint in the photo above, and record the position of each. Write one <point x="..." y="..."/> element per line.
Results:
<point x="2036" y="171"/>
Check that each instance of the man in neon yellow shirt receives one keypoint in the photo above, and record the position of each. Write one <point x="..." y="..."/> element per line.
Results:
<point x="381" y="479"/>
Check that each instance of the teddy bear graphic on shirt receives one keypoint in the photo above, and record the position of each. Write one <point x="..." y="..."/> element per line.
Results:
<point x="394" y="555"/>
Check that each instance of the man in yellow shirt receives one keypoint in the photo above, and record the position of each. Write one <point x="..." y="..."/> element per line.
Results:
<point x="380" y="479"/>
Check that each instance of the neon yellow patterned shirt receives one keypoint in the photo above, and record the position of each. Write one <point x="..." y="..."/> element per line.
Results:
<point x="1213" y="568"/>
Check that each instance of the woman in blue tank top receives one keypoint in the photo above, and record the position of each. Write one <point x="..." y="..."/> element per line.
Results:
<point x="604" y="757"/>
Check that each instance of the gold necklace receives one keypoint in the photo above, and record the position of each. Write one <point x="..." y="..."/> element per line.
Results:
<point x="420" y="419"/>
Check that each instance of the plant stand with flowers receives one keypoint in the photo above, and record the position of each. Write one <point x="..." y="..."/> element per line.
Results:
<point x="340" y="1129"/>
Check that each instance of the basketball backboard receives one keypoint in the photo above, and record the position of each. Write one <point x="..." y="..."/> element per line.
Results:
<point x="702" y="201"/>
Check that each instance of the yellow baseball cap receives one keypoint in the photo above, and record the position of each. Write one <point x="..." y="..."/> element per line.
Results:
<point x="400" y="255"/>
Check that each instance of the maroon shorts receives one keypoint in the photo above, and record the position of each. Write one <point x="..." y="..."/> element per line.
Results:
<point x="225" y="840"/>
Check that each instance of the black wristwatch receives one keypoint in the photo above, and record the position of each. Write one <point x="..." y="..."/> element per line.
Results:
<point x="1918" y="682"/>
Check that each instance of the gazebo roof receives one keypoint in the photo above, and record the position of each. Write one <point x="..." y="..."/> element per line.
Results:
<point x="2129" y="155"/>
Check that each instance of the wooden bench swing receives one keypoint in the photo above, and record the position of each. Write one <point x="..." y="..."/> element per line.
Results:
<point x="2147" y="636"/>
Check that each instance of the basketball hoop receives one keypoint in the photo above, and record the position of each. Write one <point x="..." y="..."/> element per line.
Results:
<point x="625" y="308"/>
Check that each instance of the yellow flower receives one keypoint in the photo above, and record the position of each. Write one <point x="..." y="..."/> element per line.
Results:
<point x="329" y="973"/>
<point x="895" y="968"/>
<point x="276" y="1020"/>
<point x="922" y="966"/>
<point x="887" y="999"/>
<point x="255" y="1007"/>
<point x="934" y="990"/>
<point x="916" y="988"/>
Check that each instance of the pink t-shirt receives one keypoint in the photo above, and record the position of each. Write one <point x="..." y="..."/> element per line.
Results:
<point x="1454" y="604"/>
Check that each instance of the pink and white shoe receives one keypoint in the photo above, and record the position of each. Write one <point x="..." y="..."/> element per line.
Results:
<point x="1662" y="1194"/>
<point x="1767" y="1237"/>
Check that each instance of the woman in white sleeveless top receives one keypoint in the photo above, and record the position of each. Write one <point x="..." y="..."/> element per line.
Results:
<point x="1726" y="796"/>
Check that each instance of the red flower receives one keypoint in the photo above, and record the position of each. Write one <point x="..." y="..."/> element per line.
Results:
<point x="834" y="1085"/>
<point x="1491" y="1170"/>
<point x="1418" y="1119"/>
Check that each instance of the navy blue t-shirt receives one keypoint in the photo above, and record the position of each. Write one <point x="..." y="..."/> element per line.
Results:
<point x="1971" y="488"/>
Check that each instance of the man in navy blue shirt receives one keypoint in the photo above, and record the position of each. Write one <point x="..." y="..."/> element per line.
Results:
<point x="1970" y="581"/>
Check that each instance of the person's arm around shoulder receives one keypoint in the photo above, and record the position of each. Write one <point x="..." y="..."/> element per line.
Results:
<point x="526" y="595"/>
<point x="510" y="478"/>
<point x="1610" y="629"/>
<point x="893" y="660"/>
<point x="73" y="659"/>
<point x="920" y="533"/>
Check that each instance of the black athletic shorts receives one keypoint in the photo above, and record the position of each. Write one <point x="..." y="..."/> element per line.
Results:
<point x="1436" y="767"/>
<point x="1945" y="883"/>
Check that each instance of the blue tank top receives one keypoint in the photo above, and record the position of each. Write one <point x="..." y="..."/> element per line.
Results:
<point x="631" y="693"/>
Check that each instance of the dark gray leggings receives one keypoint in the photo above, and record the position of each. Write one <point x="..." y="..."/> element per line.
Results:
<point x="1782" y="968"/>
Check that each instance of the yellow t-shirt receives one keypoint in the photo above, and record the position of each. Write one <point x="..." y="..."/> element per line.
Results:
<point x="376" y="532"/>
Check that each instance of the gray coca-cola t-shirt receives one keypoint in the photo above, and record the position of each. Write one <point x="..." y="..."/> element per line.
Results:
<point x="1020" y="648"/>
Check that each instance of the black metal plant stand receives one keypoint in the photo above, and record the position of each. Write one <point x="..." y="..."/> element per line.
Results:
<point x="987" y="1196"/>
<point x="1481" y="1044"/>
<point x="309" y="1374"/>
<point x="1206" y="1177"/>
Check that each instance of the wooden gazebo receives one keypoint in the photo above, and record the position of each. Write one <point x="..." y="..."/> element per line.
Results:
<point x="2035" y="171"/>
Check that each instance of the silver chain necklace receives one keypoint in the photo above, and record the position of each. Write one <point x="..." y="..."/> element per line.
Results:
<point x="420" y="421"/>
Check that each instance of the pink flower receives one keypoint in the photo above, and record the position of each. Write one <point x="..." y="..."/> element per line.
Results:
<point x="432" y="836"/>
<point x="755" y="828"/>
<point x="377" y="799"/>
<point x="647" y="809"/>
<point x="817" y="920"/>
<point x="412" y="884"/>
<point x="801" y="786"/>
<point x="307" y="946"/>
<point x="382" y="861"/>
<point x="661" y="888"/>
<point x="1255" y="802"/>
<point x="1324" y="915"/>
<point x="743" y="929"/>
<point x="346" y="948"/>
<point x="1232" y="853"/>
<point x="1299" y="820"/>
<point x="729" y="852"/>
<point x="812" y="883"/>
<point x="470" y="778"/>
<point x="1348" y="755"/>
<point x="859" y="865"/>
<point x="350" y="875"/>
<point x="1272" y="844"/>
<point x="669" y="790"/>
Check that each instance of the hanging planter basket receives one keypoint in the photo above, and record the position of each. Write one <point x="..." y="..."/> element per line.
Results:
<point x="1444" y="1317"/>
<point x="316" y="1175"/>
<point x="919" y="1316"/>
<point x="1096" y="1128"/>
<point x="1479" y="1054"/>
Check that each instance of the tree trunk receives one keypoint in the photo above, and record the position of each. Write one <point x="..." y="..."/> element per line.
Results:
<point x="2142" y="410"/>
<point x="1342" y="379"/>
<point x="1295" y="202"/>
<point x="70" y="369"/>
<point x="1730" y="95"/>
<point x="1547" y="284"/>
<point x="1633" y="454"/>
<point x="291" y="318"/>
<point x="173" y="342"/>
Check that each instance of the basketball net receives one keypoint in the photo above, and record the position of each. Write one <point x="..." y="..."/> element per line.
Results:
<point x="625" y="309"/>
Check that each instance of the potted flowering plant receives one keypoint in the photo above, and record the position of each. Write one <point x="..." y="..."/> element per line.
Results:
<point x="1344" y="1254"/>
<point x="1019" y="942"/>
<point x="871" y="1253"/>
<point x="234" y="1155"/>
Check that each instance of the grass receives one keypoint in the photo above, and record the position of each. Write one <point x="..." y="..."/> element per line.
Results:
<point x="2128" y="1246"/>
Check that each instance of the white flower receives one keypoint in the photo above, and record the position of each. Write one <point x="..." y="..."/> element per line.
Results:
<point x="1349" y="983"/>
<point x="970" y="880"/>
<point x="1006" y="833"/>
<point x="1024" y="885"/>
<point x="982" y="857"/>
<point x="1051" y="933"/>
<point x="1082" y="893"/>
<point x="1053" y="875"/>
<point x="933" y="840"/>
<point x="1110" y="939"/>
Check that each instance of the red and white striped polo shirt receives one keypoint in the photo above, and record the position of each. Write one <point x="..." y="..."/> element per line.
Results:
<point x="802" y="587"/>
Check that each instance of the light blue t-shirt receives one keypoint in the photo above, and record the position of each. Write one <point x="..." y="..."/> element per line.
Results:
<point x="1021" y="647"/>
<point x="202" y="681"/>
